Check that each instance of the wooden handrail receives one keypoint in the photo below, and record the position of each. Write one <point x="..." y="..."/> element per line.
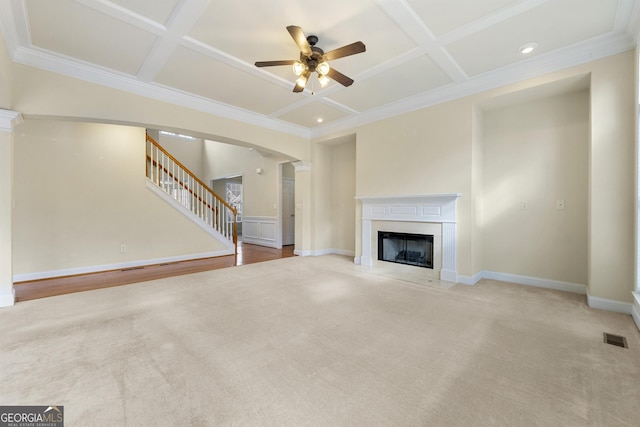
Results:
<point x="191" y="174"/>
<point x="183" y="185"/>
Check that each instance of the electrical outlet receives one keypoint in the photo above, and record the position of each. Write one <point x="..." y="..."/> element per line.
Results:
<point x="123" y="248"/>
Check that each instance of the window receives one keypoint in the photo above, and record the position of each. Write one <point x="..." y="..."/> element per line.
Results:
<point x="233" y="196"/>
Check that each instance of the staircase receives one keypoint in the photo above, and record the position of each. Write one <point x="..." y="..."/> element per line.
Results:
<point x="181" y="185"/>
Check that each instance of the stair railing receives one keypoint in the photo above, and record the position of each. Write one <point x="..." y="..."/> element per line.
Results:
<point x="182" y="185"/>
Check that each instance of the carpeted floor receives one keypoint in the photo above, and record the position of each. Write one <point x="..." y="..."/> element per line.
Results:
<point x="317" y="341"/>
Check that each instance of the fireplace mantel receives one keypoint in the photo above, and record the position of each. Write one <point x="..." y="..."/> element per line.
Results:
<point x="428" y="208"/>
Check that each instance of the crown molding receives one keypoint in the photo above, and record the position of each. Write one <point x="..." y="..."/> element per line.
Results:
<point x="59" y="64"/>
<point x="570" y="56"/>
<point x="15" y="31"/>
<point x="9" y="120"/>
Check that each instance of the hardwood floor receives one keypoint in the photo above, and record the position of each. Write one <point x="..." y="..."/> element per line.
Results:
<point x="247" y="254"/>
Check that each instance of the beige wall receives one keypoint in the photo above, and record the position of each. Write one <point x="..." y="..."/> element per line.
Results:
<point x="5" y="76"/>
<point x="432" y="150"/>
<point x="333" y="189"/>
<point x="343" y="192"/>
<point x="260" y="191"/>
<point x="477" y="159"/>
<point x="80" y="194"/>
<point x="189" y="152"/>
<point x="536" y="153"/>
<point x="322" y="208"/>
<point x="612" y="197"/>
<point x="6" y="212"/>
<point x="41" y="93"/>
<point x="424" y="152"/>
<point x="436" y="150"/>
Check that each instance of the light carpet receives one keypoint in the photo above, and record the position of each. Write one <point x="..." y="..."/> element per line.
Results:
<point x="316" y="341"/>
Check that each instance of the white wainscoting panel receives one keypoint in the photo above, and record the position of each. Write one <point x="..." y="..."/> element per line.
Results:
<point x="261" y="230"/>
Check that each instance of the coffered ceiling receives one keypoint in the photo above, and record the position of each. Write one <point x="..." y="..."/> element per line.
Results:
<point x="201" y="53"/>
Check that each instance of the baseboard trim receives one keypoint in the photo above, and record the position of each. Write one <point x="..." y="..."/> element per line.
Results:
<point x="333" y="252"/>
<point x="609" y="305"/>
<point x="635" y="309"/>
<point x="557" y="285"/>
<point x="322" y="252"/>
<point x="470" y="280"/>
<point x="116" y="266"/>
<point x="261" y="242"/>
<point x="7" y="299"/>
<point x="593" y="302"/>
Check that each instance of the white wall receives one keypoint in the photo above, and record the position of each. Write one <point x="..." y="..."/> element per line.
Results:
<point x="537" y="153"/>
<point x="80" y="194"/>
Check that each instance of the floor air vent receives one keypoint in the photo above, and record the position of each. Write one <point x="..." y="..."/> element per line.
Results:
<point x="616" y="340"/>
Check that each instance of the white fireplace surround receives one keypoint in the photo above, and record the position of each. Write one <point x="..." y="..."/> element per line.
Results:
<point x="429" y="208"/>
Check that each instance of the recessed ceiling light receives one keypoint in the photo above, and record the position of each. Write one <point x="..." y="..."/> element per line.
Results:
<point x="319" y="120"/>
<point x="528" y="48"/>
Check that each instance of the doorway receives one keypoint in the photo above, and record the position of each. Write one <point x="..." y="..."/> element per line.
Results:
<point x="230" y="188"/>
<point x="288" y="205"/>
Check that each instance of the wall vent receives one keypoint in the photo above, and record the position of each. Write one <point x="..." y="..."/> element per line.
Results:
<point x="616" y="340"/>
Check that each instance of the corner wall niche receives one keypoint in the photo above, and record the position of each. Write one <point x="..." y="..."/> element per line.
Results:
<point x="430" y="214"/>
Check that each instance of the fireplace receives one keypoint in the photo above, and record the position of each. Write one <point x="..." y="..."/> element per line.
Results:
<point x="406" y="248"/>
<point x="429" y="214"/>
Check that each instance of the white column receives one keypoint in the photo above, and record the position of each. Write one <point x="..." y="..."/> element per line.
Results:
<point x="8" y="120"/>
<point x="303" y="208"/>
<point x="367" y="251"/>
<point x="448" y="272"/>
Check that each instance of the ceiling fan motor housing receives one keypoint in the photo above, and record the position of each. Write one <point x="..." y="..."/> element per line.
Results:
<point x="315" y="58"/>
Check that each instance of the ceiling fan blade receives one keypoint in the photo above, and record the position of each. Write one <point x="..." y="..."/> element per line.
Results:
<point x="304" y="78"/>
<point x="301" y="40"/>
<point x="341" y="52"/>
<point x="274" y="63"/>
<point x="339" y="77"/>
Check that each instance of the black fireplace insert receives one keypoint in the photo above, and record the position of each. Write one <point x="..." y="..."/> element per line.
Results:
<point x="406" y="248"/>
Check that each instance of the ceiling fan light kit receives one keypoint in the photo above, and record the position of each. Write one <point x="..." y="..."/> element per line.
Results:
<point x="315" y="60"/>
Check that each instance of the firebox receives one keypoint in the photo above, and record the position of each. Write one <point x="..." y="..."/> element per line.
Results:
<point x="405" y="248"/>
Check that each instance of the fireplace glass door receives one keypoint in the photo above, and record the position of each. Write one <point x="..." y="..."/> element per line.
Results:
<point x="405" y="248"/>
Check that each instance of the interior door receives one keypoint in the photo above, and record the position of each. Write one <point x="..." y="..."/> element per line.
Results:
<point x="288" y="212"/>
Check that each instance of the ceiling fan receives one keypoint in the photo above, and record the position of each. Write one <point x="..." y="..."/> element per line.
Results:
<point x="313" y="59"/>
